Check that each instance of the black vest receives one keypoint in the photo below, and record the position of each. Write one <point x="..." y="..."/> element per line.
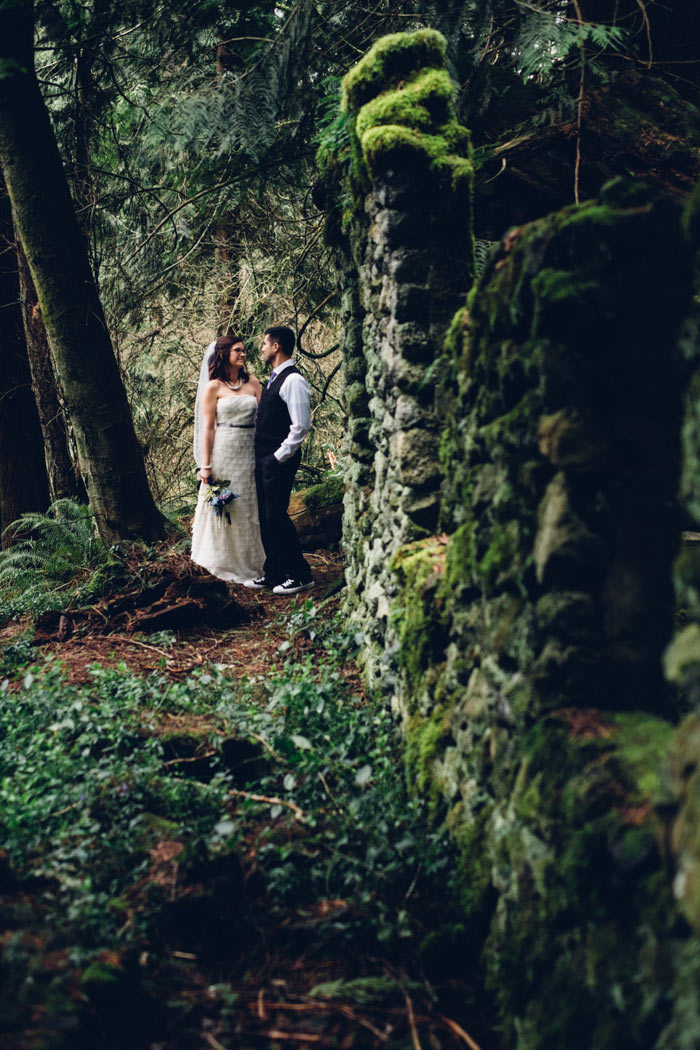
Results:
<point x="273" y="419"/>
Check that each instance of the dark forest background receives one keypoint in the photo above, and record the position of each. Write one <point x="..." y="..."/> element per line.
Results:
<point x="188" y="136"/>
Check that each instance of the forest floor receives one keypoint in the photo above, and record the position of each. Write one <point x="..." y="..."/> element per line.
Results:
<point x="209" y="845"/>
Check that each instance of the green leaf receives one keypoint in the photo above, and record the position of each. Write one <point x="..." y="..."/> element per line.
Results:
<point x="363" y="776"/>
<point x="301" y="742"/>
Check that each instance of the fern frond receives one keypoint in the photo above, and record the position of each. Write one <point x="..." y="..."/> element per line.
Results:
<point x="52" y="548"/>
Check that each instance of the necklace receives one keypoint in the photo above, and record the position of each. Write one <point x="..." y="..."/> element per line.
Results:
<point x="234" y="386"/>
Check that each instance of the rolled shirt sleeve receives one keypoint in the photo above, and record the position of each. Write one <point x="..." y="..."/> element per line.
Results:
<point x="296" y="395"/>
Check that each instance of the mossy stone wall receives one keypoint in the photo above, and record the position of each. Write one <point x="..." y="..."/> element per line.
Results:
<point x="510" y="524"/>
<point x="530" y="630"/>
<point x="405" y="255"/>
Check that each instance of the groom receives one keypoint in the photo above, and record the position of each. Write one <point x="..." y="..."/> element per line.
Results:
<point x="283" y="421"/>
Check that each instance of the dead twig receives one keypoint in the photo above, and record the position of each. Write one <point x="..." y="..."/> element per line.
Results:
<point x="271" y="801"/>
<point x="296" y="1037"/>
<point x="579" y="102"/>
<point x="312" y="1005"/>
<point x="61" y="812"/>
<point x="329" y="793"/>
<point x="194" y="758"/>
<point x="142" y="645"/>
<point x="459" y="1031"/>
<point x="647" y="26"/>
<point x="213" y="1043"/>
<point x="268" y="747"/>
<point x="415" y="1041"/>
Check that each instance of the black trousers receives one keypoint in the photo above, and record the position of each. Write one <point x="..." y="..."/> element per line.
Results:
<point x="283" y="555"/>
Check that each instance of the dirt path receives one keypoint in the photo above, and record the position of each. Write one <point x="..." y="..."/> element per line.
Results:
<point x="246" y="649"/>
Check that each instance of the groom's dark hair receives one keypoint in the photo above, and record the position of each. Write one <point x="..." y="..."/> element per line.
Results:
<point x="284" y="336"/>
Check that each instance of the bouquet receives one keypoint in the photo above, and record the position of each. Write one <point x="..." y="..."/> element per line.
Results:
<point x="218" y="497"/>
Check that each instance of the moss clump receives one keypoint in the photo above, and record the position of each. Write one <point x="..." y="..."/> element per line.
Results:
<point x="500" y="561"/>
<point x="403" y="100"/>
<point x="422" y="104"/>
<point x="461" y="557"/>
<point x="391" y="144"/>
<point x="325" y="493"/>
<point x="419" y="567"/>
<point x="390" y="61"/>
<point x="426" y="738"/>
<point x="642" y="743"/>
<point x="469" y="831"/>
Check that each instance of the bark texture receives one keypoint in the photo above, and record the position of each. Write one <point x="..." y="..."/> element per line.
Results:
<point x="109" y="454"/>
<point x="64" y="478"/>
<point x="23" y="482"/>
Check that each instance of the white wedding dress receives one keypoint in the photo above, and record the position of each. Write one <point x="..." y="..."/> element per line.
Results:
<point x="231" y="551"/>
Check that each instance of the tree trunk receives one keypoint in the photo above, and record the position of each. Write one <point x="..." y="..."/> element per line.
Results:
<point x="110" y="458"/>
<point x="23" y="482"/>
<point x="227" y="235"/>
<point x="64" y="478"/>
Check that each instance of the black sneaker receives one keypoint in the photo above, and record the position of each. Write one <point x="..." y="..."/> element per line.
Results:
<point x="291" y="586"/>
<point x="260" y="583"/>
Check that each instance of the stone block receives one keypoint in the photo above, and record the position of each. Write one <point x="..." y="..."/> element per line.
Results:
<point x="423" y="510"/>
<point x="411" y="302"/>
<point x="408" y="266"/>
<point x="564" y="549"/>
<point x="357" y="399"/>
<point x="408" y="412"/>
<point x="416" y="454"/>
<point x="572" y="441"/>
<point x="398" y="229"/>
<point x="411" y="340"/>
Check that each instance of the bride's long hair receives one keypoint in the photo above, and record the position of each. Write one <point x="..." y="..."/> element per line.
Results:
<point x="219" y="363"/>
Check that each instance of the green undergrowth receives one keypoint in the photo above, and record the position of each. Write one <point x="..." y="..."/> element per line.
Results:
<point x="52" y="555"/>
<point x="129" y="817"/>
<point x="57" y="559"/>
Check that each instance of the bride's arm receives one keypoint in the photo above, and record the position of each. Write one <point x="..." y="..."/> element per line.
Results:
<point x="209" y="419"/>
<point x="257" y="389"/>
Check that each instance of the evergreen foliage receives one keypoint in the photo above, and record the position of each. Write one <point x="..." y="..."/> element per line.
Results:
<point x="190" y="136"/>
<point x="49" y="551"/>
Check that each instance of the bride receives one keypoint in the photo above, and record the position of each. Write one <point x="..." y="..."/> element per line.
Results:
<point x="224" y="426"/>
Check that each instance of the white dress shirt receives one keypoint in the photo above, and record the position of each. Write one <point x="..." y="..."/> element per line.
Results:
<point x="297" y="397"/>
